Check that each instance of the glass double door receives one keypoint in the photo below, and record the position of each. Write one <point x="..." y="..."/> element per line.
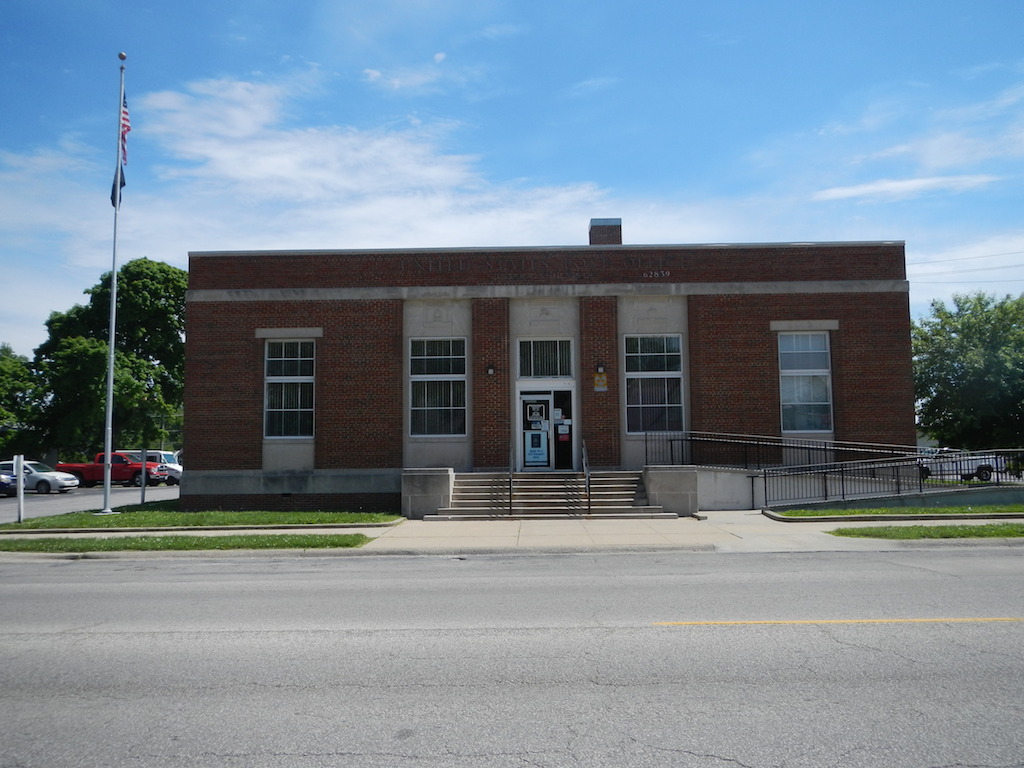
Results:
<point x="546" y="430"/>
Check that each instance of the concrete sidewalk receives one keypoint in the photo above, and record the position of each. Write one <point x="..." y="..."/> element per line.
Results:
<point x="731" y="531"/>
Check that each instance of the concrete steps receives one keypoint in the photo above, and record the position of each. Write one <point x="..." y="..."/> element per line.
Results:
<point x="545" y="495"/>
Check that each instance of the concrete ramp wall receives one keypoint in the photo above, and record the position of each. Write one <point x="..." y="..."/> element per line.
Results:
<point x="687" y="490"/>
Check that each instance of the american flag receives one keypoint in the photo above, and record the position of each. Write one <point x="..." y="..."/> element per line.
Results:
<point x="126" y="126"/>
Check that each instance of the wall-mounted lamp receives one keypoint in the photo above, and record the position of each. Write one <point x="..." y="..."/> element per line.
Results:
<point x="600" y="367"/>
<point x="490" y="370"/>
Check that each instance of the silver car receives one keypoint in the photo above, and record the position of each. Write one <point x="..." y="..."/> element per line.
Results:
<point x="166" y="458"/>
<point x="41" y="478"/>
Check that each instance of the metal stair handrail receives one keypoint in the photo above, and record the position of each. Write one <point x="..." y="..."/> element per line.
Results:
<point x="586" y="474"/>
<point x="511" y="467"/>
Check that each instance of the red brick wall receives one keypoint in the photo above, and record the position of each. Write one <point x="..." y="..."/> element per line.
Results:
<point x="607" y="264"/>
<point x="223" y="386"/>
<point x="733" y="374"/>
<point x="872" y="377"/>
<point x="599" y="345"/>
<point x="491" y="395"/>
<point x="358" y="390"/>
<point x="734" y="363"/>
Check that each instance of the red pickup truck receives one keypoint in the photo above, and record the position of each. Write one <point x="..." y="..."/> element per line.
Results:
<point x="125" y="469"/>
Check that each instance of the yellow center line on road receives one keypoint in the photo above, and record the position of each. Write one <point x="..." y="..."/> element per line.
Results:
<point x="826" y="621"/>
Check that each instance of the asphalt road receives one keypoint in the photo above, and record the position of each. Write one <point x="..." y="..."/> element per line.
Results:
<point x="656" y="659"/>
<point x="79" y="500"/>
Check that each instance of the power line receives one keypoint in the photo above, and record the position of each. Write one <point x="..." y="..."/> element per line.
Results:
<point x="964" y="258"/>
<point x="961" y="271"/>
<point x="966" y="282"/>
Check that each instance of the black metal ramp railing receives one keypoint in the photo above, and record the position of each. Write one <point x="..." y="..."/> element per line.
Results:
<point x="926" y="472"/>
<point x="759" y="451"/>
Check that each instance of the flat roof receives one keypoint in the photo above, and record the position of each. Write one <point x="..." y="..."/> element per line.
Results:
<point x="547" y="248"/>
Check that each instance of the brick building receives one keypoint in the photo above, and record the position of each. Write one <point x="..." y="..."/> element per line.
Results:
<point x="313" y="378"/>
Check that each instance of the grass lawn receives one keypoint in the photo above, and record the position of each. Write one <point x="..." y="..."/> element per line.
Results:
<point x="1014" y="509"/>
<point x="165" y="514"/>
<point x="987" y="531"/>
<point x="906" y="532"/>
<point x="151" y="543"/>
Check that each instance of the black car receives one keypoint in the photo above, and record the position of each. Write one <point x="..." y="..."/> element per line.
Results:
<point x="7" y="486"/>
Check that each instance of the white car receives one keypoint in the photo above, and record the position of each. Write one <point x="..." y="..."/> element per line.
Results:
<point x="167" y="458"/>
<point x="950" y="462"/>
<point x="41" y="478"/>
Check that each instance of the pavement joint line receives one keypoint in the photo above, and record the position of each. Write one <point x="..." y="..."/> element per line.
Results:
<point x="830" y="621"/>
<point x="176" y="528"/>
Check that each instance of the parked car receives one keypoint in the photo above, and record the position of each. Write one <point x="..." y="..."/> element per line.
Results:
<point x="165" y="458"/>
<point x="950" y="462"/>
<point x="125" y="469"/>
<point x="41" y="478"/>
<point x="7" y="485"/>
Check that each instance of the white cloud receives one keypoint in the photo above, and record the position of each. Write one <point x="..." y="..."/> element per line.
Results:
<point x="891" y="189"/>
<point x="228" y="109"/>
<point x="417" y="79"/>
<point x="326" y="186"/>
<point x="271" y="162"/>
<point x="954" y="149"/>
<point x="501" y="31"/>
<point x="336" y="186"/>
<point x="55" y="235"/>
<point x="899" y="138"/>
<point x="593" y="85"/>
<point x="428" y="78"/>
<point x="1004" y="102"/>
<point x="875" y="117"/>
<point x="233" y="165"/>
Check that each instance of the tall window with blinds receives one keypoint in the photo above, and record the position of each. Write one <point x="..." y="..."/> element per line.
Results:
<point x="437" y="369"/>
<point x="288" y="400"/>
<point x="654" y="383"/>
<point x="805" y="382"/>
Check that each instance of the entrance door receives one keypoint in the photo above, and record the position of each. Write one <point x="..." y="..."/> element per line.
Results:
<point x="536" y="430"/>
<point x="546" y="430"/>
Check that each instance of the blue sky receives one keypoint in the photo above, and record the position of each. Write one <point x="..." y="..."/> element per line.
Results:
<point x="340" y="124"/>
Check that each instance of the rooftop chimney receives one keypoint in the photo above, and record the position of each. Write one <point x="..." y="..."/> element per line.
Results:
<point x="606" y="231"/>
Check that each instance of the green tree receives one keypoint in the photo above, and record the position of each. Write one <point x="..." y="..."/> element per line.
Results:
<point x="148" y="367"/>
<point x="969" y="372"/>
<point x="17" y="398"/>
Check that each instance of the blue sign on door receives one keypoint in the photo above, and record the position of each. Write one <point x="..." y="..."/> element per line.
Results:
<point x="536" y="444"/>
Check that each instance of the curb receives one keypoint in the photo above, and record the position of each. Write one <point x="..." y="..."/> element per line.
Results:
<point x="454" y="552"/>
<point x="461" y="553"/>
<point x="884" y="518"/>
<point x="175" y="528"/>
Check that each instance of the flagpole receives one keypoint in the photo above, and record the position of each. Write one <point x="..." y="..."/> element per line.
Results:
<point x="108" y="432"/>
